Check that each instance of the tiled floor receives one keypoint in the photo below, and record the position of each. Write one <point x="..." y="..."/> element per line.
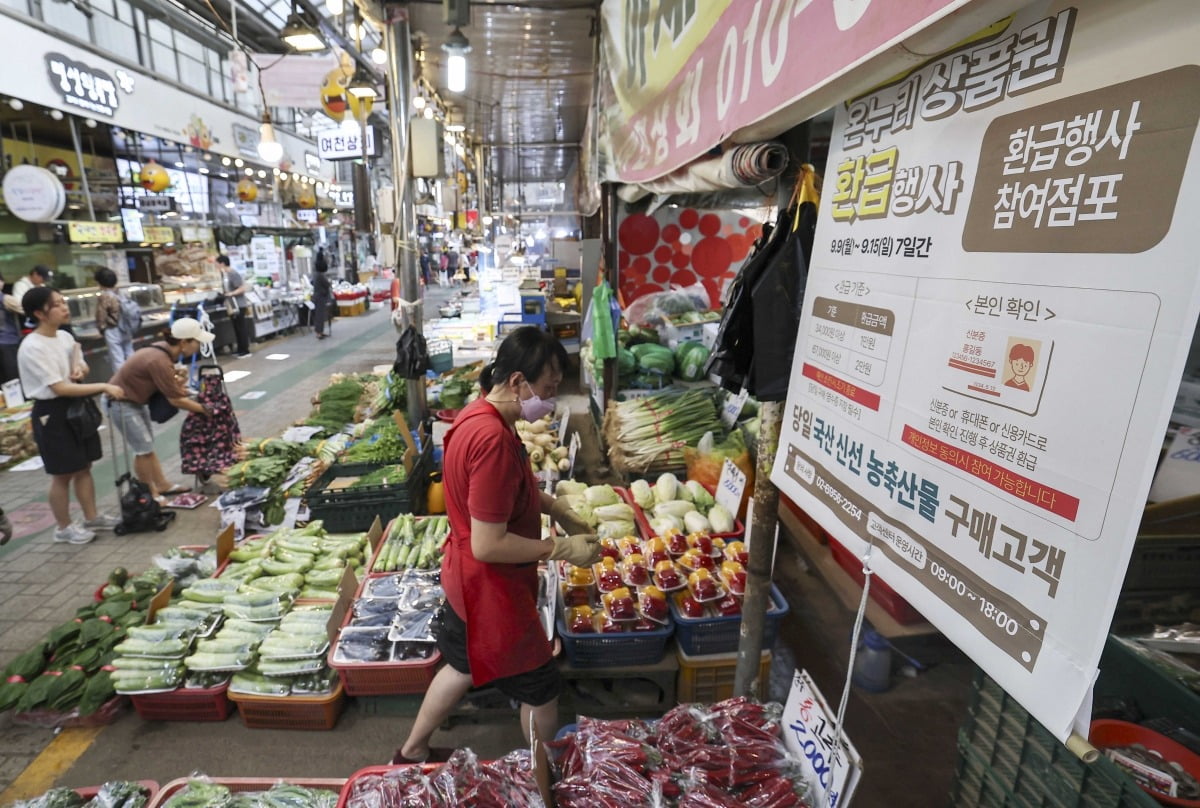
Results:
<point x="906" y="736"/>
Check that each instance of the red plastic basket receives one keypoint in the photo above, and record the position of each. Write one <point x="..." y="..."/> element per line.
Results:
<point x="291" y="712"/>
<point x="371" y="771"/>
<point x="384" y="678"/>
<point x="1108" y="733"/>
<point x="185" y="704"/>
<point x="881" y="593"/>
<point x="643" y="523"/>
<point x="244" y="784"/>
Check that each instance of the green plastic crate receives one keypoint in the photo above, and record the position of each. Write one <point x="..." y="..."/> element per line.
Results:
<point x="1009" y="760"/>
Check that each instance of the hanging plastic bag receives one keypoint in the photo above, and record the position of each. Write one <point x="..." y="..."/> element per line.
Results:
<point x="704" y="463"/>
<point x="604" y="333"/>
<point x="412" y="355"/>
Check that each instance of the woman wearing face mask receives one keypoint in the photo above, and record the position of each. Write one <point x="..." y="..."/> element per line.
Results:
<point x="489" y="631"/>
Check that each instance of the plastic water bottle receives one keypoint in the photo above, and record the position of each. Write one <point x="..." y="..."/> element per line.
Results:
<point x="873" y="662"/>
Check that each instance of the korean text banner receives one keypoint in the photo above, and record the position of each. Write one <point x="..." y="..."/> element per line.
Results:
<point x="686" y="74"/>
<point x="1002" y="294"/>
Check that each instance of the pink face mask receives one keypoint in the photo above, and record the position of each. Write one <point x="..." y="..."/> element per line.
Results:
<point x="535" y="407"/>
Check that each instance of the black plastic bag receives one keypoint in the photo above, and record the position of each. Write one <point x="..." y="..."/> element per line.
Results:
<point x="412" y="355"/>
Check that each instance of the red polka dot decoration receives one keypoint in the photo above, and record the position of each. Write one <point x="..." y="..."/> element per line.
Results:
<point x="682" y="247"/>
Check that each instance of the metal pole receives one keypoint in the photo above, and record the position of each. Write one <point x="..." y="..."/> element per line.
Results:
<point x="398" y="44"/>
<point x="87" y="194"/>
<point x="762" y="554"/>
<point x="608" y="255"/>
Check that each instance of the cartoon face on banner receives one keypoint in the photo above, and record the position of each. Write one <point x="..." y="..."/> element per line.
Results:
<point x="247" y="191"/>
<point x="679" y="247"/>
<point x="307" y="198"/>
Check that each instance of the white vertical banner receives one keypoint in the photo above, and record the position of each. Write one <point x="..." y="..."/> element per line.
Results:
<point x="1002" y="293"/>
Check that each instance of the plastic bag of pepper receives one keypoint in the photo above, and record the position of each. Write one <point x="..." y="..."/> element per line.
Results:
<point x="729" y="754"/>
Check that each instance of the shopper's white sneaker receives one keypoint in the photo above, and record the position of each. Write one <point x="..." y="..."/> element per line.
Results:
<point x="103" y="521"/>
<point x="73" y="534"/>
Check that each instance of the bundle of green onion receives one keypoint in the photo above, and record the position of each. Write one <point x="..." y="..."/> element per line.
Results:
<point x="647" y="435"/>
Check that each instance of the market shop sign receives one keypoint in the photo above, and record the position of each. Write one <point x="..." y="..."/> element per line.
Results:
<point x="33" y="193"/>
<point x="687" y="75"/>
<point x="343" y="144"/>
<point x="159" y="235"/>
<point x="1001" y="298"/>
<point x="88" y="88"/>
<point x="103" y="232"/>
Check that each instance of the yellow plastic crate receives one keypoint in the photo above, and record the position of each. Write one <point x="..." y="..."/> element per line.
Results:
<point x="709" y="678"/>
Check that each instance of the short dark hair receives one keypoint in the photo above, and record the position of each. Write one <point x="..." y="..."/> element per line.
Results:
<point x="35" y="300"/>
<point x="223" y="259"/>
<point x="526" y="350"/>
<point x="106" y="278"/>
<point x="1021" y="351"/>
<point x="43" y="271"/>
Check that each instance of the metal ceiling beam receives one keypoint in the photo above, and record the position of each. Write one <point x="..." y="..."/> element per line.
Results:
<point x="538" y="144"/>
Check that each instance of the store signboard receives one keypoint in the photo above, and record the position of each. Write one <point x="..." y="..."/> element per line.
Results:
<point x="312" y="163"/>
<point x="1000" y="301"/>
<point x="345" y="144"/>
<point x="685" y="76"/>
<point x="192" y="233"/>
<point x="159" y="203"/>
<point x="309" y="215"/>
<point x="159" y="235"/>
<point x="103" y="232"/>
<point x="74" y="79"/>
<point x="88" y="88"/>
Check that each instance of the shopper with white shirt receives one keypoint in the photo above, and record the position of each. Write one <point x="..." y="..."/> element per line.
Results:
<point x="52" y="369"/>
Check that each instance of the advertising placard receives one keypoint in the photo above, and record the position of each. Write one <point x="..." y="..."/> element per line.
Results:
<point x="1002" y="294"/>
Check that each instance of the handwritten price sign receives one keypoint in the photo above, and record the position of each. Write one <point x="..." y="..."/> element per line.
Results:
<point x="730" y="487"/>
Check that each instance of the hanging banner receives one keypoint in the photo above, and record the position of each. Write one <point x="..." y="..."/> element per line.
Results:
<point x="1002" y="294"/>
<point x="685" y="75"/>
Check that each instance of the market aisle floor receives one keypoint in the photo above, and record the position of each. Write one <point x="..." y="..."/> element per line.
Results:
<point x="905" y="736"/>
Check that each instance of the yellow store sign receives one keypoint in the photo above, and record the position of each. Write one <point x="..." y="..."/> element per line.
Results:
<point x="106" y="232"/>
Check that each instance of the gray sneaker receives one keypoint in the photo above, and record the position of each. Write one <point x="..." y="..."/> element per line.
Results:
<point x="103" y="521"/>
<point x="73" y="534"/>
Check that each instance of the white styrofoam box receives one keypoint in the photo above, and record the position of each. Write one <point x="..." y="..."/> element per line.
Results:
<point x="708" y="334"/>
<point x="692" y="332"/>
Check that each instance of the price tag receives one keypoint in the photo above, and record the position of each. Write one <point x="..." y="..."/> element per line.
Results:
<point x="730" y="487"/>
<point x="829" y="762"/>
<point x="733" y="408"/>
<point x="564" y="418"/>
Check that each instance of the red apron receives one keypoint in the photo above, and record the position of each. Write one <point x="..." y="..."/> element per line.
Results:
<point x="498" y="602"/>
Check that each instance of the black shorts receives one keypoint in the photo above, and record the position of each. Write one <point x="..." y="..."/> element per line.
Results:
<point x="535" y="687"/>
<point x="61" y="450"/>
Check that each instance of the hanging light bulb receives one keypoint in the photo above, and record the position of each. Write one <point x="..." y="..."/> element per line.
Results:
<point x="428" y="113"/>
<point x="269" y="149"/>
<point x="457" y="46"/>
<point x="378" y="55"/>
<point x="335" y="7"/>
<point x="418" y="102"/>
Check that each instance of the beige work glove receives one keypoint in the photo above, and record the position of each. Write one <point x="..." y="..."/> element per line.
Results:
<point x="570" y="521"/>
<point x="582" y="549"/>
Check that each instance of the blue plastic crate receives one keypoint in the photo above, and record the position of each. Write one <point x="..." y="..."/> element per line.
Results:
<point x="699" y="636"/>
<point x="613" y="650"/>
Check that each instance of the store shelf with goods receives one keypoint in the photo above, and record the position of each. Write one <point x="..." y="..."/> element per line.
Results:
<point x="843" y="586"/>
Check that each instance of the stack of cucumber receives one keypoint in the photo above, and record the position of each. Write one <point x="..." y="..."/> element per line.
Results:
<point x="306" y="563"/>
<point x="413" y="543"/>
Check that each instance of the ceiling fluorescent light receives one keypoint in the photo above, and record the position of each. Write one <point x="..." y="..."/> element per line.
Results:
<point x="301" y="36"/>
<point x="457" y="46"/>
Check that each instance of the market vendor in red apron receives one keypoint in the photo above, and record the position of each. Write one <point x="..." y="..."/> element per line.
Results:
<point x="489" y="631"/>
